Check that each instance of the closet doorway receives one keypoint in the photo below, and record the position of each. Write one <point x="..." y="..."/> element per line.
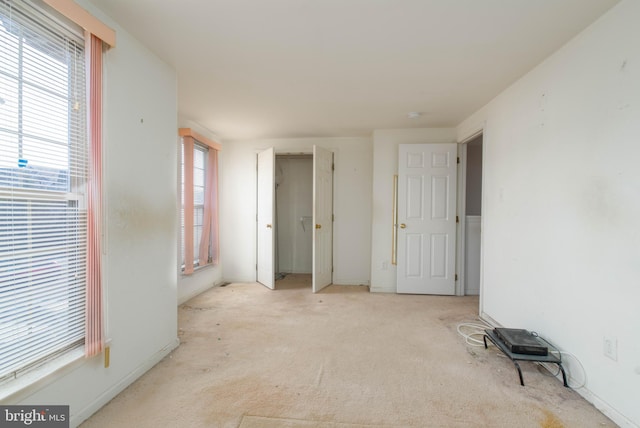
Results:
<point x="472" y="215"/>
<point x="277" y="253"/>
<point x="294" y="215"/>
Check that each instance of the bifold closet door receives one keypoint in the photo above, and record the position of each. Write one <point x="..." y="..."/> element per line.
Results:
<point x="322" y="218"/>
<point x="265" y="219"/>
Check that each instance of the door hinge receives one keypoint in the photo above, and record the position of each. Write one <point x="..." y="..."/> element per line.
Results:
<point x="256" y="267"/>
<point x="333" y="217"/>
<point x="456" y="277"/>
<point x="333" y="167"/>
<point x="458" y="159"/>
<point x="331" y="269"/>
<point x="457" y="219"/>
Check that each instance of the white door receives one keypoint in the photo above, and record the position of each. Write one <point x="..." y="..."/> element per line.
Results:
<point x="322" y="218"/>
<point x="266" y="219"/>
<point x="426" y="218"/>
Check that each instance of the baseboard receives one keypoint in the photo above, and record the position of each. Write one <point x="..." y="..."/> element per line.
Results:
<point x="339" y="281"/>
<point x="486" y="318"/>
<point x="374" y="289"/>
<point x="196" y="292"/>
<point x="617" y="417"/>
<point x="592" y="398"/>
<point x="189" y="296"/>
<point x="110" y="393"/>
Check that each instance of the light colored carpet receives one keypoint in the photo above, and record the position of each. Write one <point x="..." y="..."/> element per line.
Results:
<point x="253" y="357"/>
<point x="262" y="422"/>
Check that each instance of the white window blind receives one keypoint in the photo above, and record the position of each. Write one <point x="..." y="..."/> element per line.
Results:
<point x="43" y="176"/>
<point x="199" y="172"/>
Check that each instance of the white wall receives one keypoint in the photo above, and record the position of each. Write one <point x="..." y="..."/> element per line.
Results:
<point x="472" y="255"/>
<point x="208" y="276"/>
<point x="352" y="205"/>
<point x="385" y="165"/>
<point x="140" y="122"/>
<point x="561" y="207"/>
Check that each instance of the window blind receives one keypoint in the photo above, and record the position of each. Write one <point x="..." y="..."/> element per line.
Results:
<point x="200" y="155"/>
<point x="43" y="177"/>
<point x="199" y="205"/>
<point x="195" y="189"/>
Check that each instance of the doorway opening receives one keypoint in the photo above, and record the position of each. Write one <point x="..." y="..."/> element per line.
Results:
<point x="294" y="218"/>
<point x="473" y="216"/>
<point x="268" y="263"/>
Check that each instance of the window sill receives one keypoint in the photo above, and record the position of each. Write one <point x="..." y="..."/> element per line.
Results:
<point x="198" y="269"/>
<point x="15" y="390"/>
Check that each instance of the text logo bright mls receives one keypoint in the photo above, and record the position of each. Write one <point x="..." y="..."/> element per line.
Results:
<point x="34" y="416"/>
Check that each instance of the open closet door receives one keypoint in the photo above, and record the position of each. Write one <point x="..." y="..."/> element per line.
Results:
<point x="266" y="224"/>
<point x="427" y="218"/>
<point x="322" y="218"/>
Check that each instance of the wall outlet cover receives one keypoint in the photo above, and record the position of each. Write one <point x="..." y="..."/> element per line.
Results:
<point x="610" y="347"/>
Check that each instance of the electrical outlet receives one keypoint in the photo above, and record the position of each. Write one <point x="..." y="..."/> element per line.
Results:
<point x="610" y="347"/>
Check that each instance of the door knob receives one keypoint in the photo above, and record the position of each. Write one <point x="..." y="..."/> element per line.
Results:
<point x="402" y="225"/>
<point x="269" y="226"/>
<point x="318" y="226"/>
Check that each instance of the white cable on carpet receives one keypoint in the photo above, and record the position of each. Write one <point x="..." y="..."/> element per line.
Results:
<point x="556" y="369"/>
<point x="477" y="329"/>
<point x="470" y="337"/>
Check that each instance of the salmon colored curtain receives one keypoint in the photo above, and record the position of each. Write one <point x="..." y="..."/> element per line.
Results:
<point x="209" y="248"/>
<point x="188" y="204"/>
<point x="94" y="341"/>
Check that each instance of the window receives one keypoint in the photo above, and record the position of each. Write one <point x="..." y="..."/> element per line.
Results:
<point x="199" y="201"/>
<point x="199" y="172"/>
<point x="43" y="178"/>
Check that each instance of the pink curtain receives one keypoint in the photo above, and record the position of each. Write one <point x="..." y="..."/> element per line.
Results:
<point x="94" y="341"/>
<point x="209" y="242"/>
<point x="188" y="205"/>
<point x="208" y="247"/>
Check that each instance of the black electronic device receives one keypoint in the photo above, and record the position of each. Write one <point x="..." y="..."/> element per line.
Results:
<point x="520" y="341"/>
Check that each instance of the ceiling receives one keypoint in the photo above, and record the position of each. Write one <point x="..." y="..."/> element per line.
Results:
<point x="321" y="68"/>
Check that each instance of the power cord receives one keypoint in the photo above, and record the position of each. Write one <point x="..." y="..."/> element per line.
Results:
<point x="555" y="372"/>
<point x="567" y="369"/>
<point x="471" y="331"/>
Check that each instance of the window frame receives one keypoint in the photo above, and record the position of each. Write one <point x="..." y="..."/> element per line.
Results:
<point x="26" y="189"/>
<point x="189" y="251"/>
<point x="196" y="206"/>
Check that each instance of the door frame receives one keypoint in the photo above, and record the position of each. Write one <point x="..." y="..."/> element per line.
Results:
<point x="425" y="223"/>
<point x="294" y="155"/>
<point x="307" y="152"/>
<point x="462" y="198"/>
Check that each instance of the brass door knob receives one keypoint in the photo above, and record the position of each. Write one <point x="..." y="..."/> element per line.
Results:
<point x="402" y="225"/>
<point x="318" y="226"/>
<point x="269" y="226"/>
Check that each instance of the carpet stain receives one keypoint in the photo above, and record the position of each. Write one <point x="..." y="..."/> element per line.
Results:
<point x="551" y="421"/>
<point x="354" y="360"/>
